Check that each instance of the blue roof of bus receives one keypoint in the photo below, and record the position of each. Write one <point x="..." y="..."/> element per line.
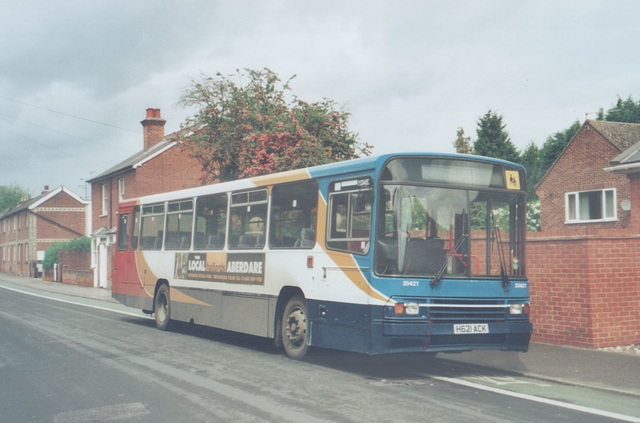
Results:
<point x="379" y="160"/>
<point x="331" y="169"/>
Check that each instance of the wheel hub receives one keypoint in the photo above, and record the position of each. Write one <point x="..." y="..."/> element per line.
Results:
<point x="296" y="327"/>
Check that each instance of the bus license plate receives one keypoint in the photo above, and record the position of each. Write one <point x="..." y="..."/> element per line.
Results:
<point x="465" y="329"/>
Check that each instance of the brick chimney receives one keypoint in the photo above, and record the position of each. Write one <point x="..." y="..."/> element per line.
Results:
<point x="153" y="128"/>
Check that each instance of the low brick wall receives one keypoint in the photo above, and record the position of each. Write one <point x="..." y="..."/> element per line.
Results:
<point x="74" y="268"/>
<point x="585" y="287"/>
<point x="77" y="277"/>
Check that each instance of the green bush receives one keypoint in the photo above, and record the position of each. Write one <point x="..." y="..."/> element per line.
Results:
<point x="51" y="254"/>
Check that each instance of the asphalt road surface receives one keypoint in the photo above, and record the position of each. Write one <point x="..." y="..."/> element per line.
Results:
<point x="64" y="362"/>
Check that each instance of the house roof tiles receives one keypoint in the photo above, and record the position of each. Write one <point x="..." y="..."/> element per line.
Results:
<point x="622" y="135"/>
<point x="138" y="159"/>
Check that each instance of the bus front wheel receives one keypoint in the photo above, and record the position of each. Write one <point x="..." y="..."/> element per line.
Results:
<point x="162" y="307"/>
<point x="295" y="328"/>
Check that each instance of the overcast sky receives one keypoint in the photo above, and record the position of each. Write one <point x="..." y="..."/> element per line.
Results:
<point x="76" y="76"/>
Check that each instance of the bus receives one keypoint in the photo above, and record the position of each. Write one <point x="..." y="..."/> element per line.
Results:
<point x="396" y="253"/>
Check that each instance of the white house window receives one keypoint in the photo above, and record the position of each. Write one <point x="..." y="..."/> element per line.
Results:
<point x="105" y="199"/>
<point x="121" y="189"/>
<point x="591" y="206"/>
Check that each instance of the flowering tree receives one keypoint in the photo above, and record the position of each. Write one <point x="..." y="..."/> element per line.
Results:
<point x="252" y="129"/>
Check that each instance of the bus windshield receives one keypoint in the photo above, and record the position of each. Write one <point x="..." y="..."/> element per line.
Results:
<point x="427" y="229"/>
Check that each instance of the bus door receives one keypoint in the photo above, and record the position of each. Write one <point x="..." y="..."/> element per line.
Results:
<point x="349" y="227"/>
<point x="124" y="261"/>
<point x="344" y="318"/>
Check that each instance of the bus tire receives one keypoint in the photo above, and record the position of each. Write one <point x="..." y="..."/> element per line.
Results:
<point x="295" y="328"/>
<point x="162" y="307"/>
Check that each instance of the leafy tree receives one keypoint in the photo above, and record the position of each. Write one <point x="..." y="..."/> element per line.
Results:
<point x="11" y="196"/>
<point x="51" y="253"/>
<point x="250" y="129"/>
<point x="462" y="144"/>
<point x="624" y="111"/>
<point x="493" y="140"/>
<point x="530" y="159"/>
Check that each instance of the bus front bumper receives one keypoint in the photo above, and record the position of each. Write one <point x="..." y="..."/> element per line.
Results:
<point x="396" y="337"/>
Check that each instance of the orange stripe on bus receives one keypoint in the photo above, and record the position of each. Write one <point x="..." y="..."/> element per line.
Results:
<point x="281" y="178"/>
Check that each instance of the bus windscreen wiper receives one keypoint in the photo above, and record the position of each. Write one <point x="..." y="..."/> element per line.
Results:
<point x="498" y="238"/>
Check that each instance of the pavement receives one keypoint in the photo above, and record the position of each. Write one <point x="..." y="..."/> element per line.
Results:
<point x="608" y="370"/>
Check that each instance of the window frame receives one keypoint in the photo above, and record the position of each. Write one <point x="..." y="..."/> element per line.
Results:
<point x="124" y="229"/>
<point x="572" y="206"/>
<point x="135" y="228"/>
<point x="294" y="211"/>
<point x="240" y="207"/>
<point x="148" y="214"/>
<point x="174" y="238"/>
<point x="105" y="200"/>
<point x="121" y="191"/>
<point x="350" y="189"/>
<point x="220" y="213"/>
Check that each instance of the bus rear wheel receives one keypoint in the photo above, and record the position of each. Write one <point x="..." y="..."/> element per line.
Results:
<point x="295" y="328"/>
<point x="162" y="307"/>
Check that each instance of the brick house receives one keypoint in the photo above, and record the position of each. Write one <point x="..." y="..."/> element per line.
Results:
<point x="162" y="165"/>
<point x="30" y="228"/>
<point x="584" y="265"/>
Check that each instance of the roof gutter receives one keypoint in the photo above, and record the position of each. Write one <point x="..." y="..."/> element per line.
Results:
<point x="628" y="168"/>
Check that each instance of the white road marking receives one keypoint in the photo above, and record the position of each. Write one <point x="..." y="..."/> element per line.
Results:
<point x="541" y="400"/>
<point x="60" y="300"/>
<point x="101" y="414"/>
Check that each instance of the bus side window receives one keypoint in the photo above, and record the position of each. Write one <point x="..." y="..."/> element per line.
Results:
<point x="247" y="217"/>
<point x="135" y="228"/>
<point x="123" y="232"/>
<point x="179" y="225"/>
<point x="350" y="220"/>
<point x="211" y="222"/>
<point x="152" y="228"/>
<point x="294" y="209"/>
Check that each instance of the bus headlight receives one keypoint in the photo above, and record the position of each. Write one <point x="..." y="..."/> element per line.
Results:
<point x="519" y="309"/>
<point x="412" y="309"/>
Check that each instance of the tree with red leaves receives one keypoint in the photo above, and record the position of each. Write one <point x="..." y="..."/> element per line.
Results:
<point x="250" y="129"/>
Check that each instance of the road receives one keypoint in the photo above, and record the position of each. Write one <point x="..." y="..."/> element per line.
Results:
<point x="67" y="360"/>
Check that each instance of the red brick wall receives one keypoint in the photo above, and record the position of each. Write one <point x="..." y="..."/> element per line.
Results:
<point x="107" y="220"/>
<point x="75" y="267"/>
<point x="580" y="168"/>
<point x="14" y="238"/>
<point x="69" y="217"/>
<point x="169" y="171"/>
<point x="584" y="287"/>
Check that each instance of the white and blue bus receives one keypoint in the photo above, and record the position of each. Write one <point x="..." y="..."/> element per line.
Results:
<point x="397" y="253"/>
